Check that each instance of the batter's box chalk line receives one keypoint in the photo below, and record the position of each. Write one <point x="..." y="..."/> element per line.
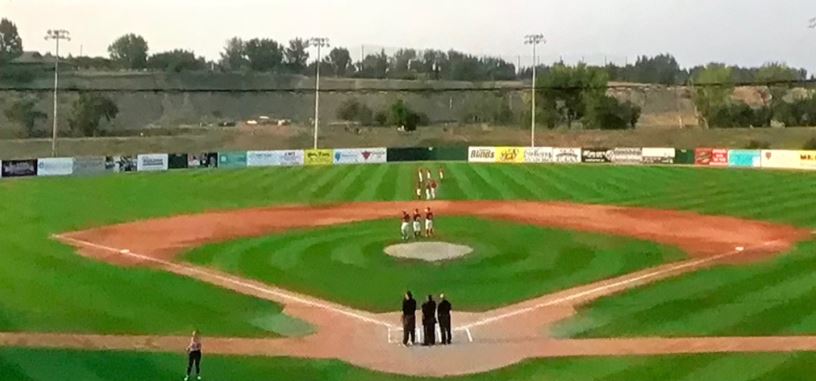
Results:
<point x="395" y="334"/>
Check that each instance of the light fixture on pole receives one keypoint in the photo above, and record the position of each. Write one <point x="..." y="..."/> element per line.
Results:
<point x="534" y="40"/>
<point x="320" y="42"/>
<point x="56" y="35"/>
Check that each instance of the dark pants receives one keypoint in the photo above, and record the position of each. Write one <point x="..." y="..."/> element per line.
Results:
<point x="445" y="328"/>
<point x="194" y="357"/>
<point x="430" y="333"/>
<point x="408" y="329"/>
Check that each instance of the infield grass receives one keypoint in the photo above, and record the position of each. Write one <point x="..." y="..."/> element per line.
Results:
<point x="346" y="263"/>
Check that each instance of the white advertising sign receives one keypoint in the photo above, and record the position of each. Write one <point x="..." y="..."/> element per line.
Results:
<point x="55" y="166"/>
<point x="538" y="155"/>
<point x="360" y="156"/>
<point x="482" y="154"/>
<point x="152" y="162"/>
<point x="567" y="155"/>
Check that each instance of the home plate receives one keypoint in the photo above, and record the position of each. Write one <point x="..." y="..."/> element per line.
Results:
<point x="124" y="251"/>
<point x="740" y="249"/>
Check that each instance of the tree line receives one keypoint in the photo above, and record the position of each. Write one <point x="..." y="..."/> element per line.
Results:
<point x="132" y="52"/>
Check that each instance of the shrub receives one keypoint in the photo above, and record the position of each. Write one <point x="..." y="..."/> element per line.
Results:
<point x="353" y="110"/>
<point x="757" y="144"/>
<point x="607" y="113"/>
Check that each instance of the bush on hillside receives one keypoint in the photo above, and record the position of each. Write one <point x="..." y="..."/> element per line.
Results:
<point x="757" y="144"/>
<point x="607" y="113"/>
<point x="353" y="110"/>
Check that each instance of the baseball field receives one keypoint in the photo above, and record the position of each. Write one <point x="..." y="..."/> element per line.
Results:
<point x="577" y="273"/>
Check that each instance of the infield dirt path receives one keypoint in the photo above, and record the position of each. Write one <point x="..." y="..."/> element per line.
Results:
<point x="500" y="337"/>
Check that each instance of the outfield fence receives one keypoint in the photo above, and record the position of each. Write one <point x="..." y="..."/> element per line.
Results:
<point x="159" y="162"/>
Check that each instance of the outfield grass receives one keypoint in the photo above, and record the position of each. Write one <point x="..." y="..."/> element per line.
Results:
<point x="346" y="263"/>
<point x="44" y="286"/>
<point x="43" y="365"/>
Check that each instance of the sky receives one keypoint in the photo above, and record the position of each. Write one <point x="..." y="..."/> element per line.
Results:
<point x="745" y="32"/>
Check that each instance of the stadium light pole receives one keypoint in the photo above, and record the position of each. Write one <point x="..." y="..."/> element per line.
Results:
<point x="534" y="40"/>
<point x="320" y="42"/>
<point x="56" y="35"/>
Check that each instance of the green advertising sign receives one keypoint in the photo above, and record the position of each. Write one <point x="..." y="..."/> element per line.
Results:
<point x="684" y="156"/>
<point x="232" y="159"/>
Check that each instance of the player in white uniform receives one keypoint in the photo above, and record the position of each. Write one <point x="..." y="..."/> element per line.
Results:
<point x="404" y="226"/>
<point x="417" y="224"/>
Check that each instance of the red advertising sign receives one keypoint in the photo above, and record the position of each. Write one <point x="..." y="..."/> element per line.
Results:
<point x="717" y="157"/>
<point x="702" y="156"/>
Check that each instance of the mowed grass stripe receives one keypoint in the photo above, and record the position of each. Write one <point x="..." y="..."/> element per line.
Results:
<point x="523" y="188"/>
<point x="351" y="184"/>
<point x="372" y="179"/>
<point x="718" y="302"/>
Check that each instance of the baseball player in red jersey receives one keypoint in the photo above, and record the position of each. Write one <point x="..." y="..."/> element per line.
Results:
<point x="429" y="229"/>
<point x="406" y="219"/>
<point x="417" y="223"/>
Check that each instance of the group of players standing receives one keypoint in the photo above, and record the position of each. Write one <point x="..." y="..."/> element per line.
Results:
<point x="407" y="226"/>
<point x="426" y="183"/>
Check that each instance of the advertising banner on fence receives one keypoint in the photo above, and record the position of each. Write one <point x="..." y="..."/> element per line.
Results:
<point x="89" y="165"/>
<point x="744" y="158"/>
<point x="177" y="160"/>
<point x="627" y="155"/>
<point x="262" y="159"/>
<point x="319" y="157"/>
<point x="596" y="155"/>
<point x="55" y="166"/>
<point x="360" y="156"/>
<point x="482" y="154"/>
<point x="658" y="155"/>
<point x="290" y="158"/>
<point x="236" y="159"/>
<point x="152" y="162"/>
<point x="779" y="159"/>
<point x="717" y="157"/>
<point x="120" y="164"/>
<point x="19" y="168"/>
<point x="807" y="160"/>
<point x="202" y="160"/>
<point x="510" y="154"/>
<point x="538" y="155"/>
<point x="684" y="156"/>
<point x="567" y="155"/>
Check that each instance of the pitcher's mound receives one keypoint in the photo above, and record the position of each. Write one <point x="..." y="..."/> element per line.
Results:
<point x="428" y="251"/>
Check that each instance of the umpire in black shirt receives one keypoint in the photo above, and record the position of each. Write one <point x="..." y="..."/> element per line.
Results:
<point x="409" y="306"/>
<point x="429" y="321"/>
<point x="443" y="313"/>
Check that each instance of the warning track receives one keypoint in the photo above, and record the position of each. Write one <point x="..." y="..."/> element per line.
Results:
<point x="500" y="337"/>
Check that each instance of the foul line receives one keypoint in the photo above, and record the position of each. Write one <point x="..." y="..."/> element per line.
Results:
<point x="608" y="286"/>
<point x="278" y="294"/>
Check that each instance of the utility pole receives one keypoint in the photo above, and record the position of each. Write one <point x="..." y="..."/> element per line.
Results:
<point x="56" y="35"/>
<point x="320" y="42"/>
<point x="534" y="40"/>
